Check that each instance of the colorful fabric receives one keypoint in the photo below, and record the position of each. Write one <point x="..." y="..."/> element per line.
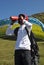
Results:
<point x="36" y="21"/>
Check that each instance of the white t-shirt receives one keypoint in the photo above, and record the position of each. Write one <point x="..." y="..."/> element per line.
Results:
<point x="23" y="41"/>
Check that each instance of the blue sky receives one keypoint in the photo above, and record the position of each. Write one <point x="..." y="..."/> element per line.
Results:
<point x="15" y="7"/>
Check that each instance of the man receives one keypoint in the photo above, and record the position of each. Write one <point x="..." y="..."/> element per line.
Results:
<point x="23" y="44"/>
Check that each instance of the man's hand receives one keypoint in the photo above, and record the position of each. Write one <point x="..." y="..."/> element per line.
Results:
<point x="12" y="23"/>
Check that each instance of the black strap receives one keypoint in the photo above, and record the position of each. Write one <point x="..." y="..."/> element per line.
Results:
<point x="27" y="33"/>
<point x="16" y="31"/>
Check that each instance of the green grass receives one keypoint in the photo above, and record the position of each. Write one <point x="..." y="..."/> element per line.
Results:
<point x="7" y="52"/>
<point x="3" y="30"/>
<point x="41" y="52"/>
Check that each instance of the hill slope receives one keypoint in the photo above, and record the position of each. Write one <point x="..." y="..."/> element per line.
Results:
<point x="36" y="29"/>
<point x="39" y="16"/>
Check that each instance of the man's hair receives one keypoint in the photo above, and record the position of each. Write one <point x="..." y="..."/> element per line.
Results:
<point x="21" y="15"/>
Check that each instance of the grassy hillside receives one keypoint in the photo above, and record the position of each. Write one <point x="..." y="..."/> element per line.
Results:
<point x="40" y="16"/>
<point x="36" y="29"/>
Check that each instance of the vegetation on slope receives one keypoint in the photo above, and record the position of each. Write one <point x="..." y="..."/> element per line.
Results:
<point x="39" y="16"/>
